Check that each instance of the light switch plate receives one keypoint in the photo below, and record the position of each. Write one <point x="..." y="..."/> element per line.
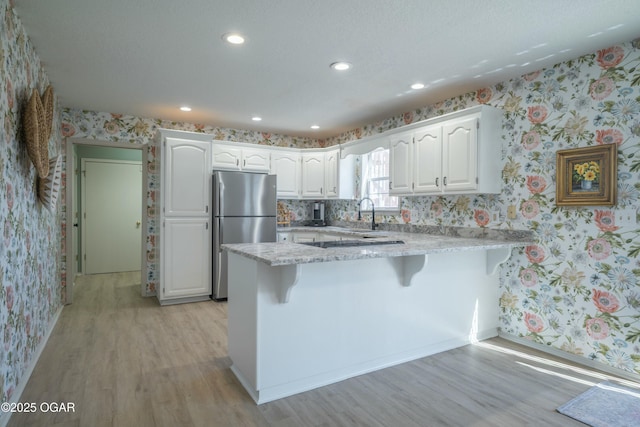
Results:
<point x="512" y="212"/>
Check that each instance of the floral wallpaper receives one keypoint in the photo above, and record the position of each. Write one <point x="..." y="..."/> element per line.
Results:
<point x="107" y="127"/>
<point x="31" y="293"/>
<point x="577" y="288"/>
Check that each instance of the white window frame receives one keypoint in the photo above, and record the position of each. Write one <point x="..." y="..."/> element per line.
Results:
<point x="366" y="171"/>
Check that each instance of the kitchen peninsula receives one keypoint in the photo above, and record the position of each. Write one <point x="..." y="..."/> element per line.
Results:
<point x="301" y="316"/>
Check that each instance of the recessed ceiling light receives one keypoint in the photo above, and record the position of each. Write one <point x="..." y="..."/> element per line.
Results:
<point x="417" y="86"/>
<point x="256" y="118"/>
<point x="315" y="127"/>
<point x="185" y="108"/>
<point x="233" y="38"/>
<point x="340" y="66"/>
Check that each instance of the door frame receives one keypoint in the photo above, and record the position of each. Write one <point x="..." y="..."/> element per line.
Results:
<point x="83" y="207"/>
<point x="70" y="189"/>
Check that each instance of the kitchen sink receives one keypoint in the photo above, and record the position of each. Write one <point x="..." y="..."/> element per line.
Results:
<point x="352" y="243"/>
<point x="363" y="233"/>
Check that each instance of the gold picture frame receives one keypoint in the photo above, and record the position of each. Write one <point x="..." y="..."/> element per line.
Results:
<point x="587" y="176"/>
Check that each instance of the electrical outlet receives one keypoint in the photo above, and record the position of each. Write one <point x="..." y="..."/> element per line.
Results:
<point x="494" y="216"/>
<point x="626" y="217"/>
<point x="512" y="213"/>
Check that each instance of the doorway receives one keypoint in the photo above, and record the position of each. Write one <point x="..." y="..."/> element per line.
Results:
<point x="111" y="217"/>
<point x="110" y="163"/>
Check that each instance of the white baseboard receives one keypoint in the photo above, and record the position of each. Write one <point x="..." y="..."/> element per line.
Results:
<point x="571" y="357"/>
<point x="301" y="385"/>
<point x="17" y="393"/>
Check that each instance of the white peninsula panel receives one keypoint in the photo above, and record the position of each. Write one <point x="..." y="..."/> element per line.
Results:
<point x="294" y="327"/>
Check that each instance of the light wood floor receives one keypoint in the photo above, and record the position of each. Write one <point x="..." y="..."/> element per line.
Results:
<point x="123" y="360"/>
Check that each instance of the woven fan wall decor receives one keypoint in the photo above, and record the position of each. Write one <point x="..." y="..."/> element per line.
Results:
<point x="47" y="103"/>
<point x="49" y="187"/>
<point x="37" y="123"/>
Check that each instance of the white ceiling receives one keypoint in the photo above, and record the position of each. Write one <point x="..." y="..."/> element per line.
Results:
<point x="148" y="57"/>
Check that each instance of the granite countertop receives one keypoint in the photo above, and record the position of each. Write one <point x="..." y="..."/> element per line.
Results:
<point x="284" y="253"/>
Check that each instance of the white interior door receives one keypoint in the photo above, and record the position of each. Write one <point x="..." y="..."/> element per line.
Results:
<point x="73" y="265"/>
<point x="111" y="215"/>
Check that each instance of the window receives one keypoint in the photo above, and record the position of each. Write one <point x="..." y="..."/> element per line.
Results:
<point x="375" y="181"/>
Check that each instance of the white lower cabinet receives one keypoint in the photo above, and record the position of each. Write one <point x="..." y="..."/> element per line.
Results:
<point x="284" y="236"/>
<point x="186" y="260"/>
<point x="307" y="236"/>
<point x="328" y="237"/>
<point x="304" y="237"/>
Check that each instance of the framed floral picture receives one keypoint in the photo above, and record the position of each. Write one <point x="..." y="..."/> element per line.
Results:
<point x="587" y="176"/>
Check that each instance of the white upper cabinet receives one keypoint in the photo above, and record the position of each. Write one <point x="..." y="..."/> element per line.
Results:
<point x="225" y="156"/>
<point x="308" y="174"/>
<point x="313" y="175"/>
<point x="400" y="154"/>
<point x="458" y="153"/>
<point x="325" y="175"/>
<point x="331" y="173"/>
<point x="187" y="177"/>
<point x="256" y="160"/>
<point x="286" y="165"/>
<point x="426" y="160"/>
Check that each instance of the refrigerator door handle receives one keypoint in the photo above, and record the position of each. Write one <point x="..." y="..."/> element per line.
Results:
<point x="217" y="255"/>
<point x="219" y="188"/>
<point x="218" y="272"/>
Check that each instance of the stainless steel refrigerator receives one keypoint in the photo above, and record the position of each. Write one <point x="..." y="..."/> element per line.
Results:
<point x="244" y="211"/>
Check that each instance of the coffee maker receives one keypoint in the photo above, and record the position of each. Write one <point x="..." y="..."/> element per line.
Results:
<point x="318" y="215"/>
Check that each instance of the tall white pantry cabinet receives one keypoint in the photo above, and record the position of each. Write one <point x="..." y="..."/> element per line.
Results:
<point x="185" y="226"/>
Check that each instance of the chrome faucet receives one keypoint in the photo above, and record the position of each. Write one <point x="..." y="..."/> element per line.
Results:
<point x="373" y="212"/>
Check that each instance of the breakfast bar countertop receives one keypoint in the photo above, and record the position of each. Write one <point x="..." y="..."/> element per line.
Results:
<point x="389" y="303"/>
<point x="285" y="253"/>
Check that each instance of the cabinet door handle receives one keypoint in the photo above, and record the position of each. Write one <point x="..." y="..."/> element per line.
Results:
<point x="437" y="182"/>
<point x="320" y="190"/>
<point x="244" y="163"/>
<point x="389" y="185"/>
<point x="444" y="181"/>
<point x="237" y="162"/>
